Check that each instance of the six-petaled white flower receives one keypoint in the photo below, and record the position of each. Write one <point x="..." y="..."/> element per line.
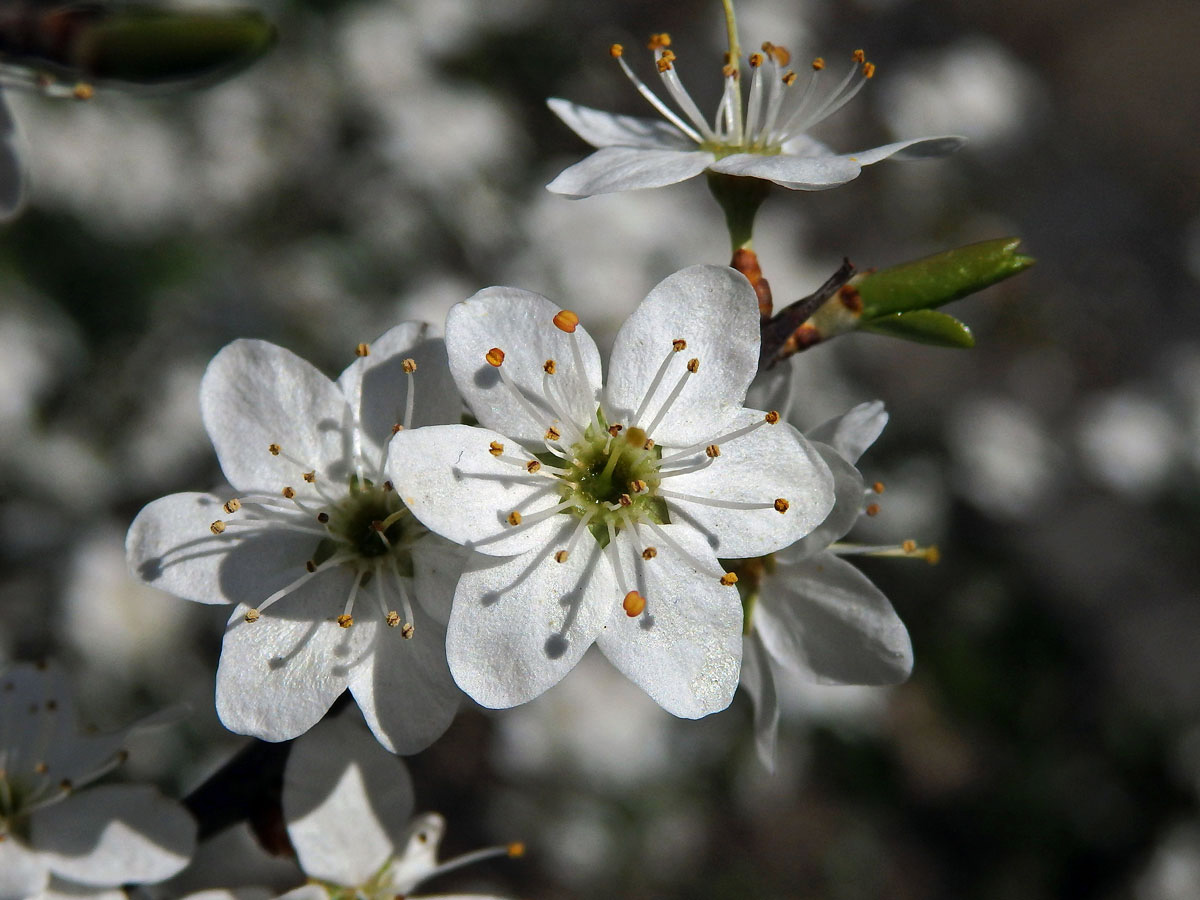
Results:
<point x="349" y="812"/>
<point x="809" y="611"/>
<point x="313" y="545"/>
<point x="767" y="138"/>
<point x="599" y="513"/>
<point x="58" y="832"/>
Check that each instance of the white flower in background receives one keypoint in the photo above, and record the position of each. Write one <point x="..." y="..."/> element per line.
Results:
<point x="766" y="139"/>
<point x="812" y="613"/>
<point x="349" y="812"/>
<point x="599" y="513"/>
<point x="60" y="834"/>
<point x="313" y="545"/>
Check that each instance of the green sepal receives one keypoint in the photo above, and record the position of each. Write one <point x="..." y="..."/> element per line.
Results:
<point x="930" y="282"/>
<point x="145" y="47"/>
<point x="925" y="326"/>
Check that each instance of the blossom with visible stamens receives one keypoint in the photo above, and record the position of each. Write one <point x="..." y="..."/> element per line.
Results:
<point x="336" y="585"/>
<point x="593" y="546"/>
<point x="348" y="806"/>
<point x="810" y="612"/>
<point x="767" y="138"/>
<point x="60" y="834"/>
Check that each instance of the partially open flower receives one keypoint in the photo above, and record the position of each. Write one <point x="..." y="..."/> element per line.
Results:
<point x="337" y="586"/>
<point x="58" y="831"/>
<point x="599" y="513"/>
<point x="767" y="137"/>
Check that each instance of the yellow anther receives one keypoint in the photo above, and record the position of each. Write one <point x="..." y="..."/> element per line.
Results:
<point x="615" y="429"/>
<point x="712" y="451"/>
<point x="494" y="357"/>
<point x="635" y="436"/>
<point x="729" y="70"/>
<point x="407" y="631"/>
<point x="252" y="615"/>
<point x="83" y="91"/>
<point x="868" y="70"/>
<point x="668" y="55"/>
<point x="664" y="64"/>
<point x="549" y="367"/>
<point x="933" y="555"/>
<point x="756" y="60"/>
<point x="41" y="768"/>
<point x="781" y="505"/>
<point x="552" y="434"/>
<point x="772" y="417"/>
<point x="625" y="500"/>
<point x="310" y="477"/>
<point x="615" y="50"/>
<point x="288" y="492"/>
<point x="789" y="78"/>
<point x="392" y="618"/>
<point x="693" y="365"/>
<point x="217" y="527"/>
<point x="514" y="518"/>
<point x="516" y="850"/>
<point x="649" y="553"/>
<point x="633" y="604"/>
<point x="562" y="556"/>
<point x="310" y="566"/>
<point x="397" y="428"/>
<point x="649" y="444"/>
<point x="638" y="486"/>
<point x="678" y="344"/>
<point x="877" y="487"/>
<point x="729" y="578"/>
<point x="872" y="509"/>
<point x="345" y="621"/>
<point x="565" y="320"/>
<point x="409" y="365"/>
<point x="274" y="449"/>
<point x="818" y="64"/>
<point x="780" y="54"/>
<point x="859" y="56"/>
<point x="362" y="350"/>
<point x="232" y="505"/>
<point x="532" y="466"/>
<point x="495" y="448"/>
<point x="909" y="546"/>
<point x="659" y="41"/>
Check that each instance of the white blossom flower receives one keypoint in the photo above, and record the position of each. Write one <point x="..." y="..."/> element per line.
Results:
<point x="311" y="533"/>
<point x="349" y="812"/>
<point x="59" y="834"/>
<point x="767" y="138"/>
<point x="812" y="613"/>
<point x="599" y="514"/>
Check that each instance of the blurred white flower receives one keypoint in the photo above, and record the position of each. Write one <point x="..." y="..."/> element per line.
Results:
<point x="314" y="523"/>
<point x="60" y="834"/>
<point x="767" y="138"/>
<point x="349" y="811"/>
<point x="1129" y="442"/>
<point x="603" y="518"/>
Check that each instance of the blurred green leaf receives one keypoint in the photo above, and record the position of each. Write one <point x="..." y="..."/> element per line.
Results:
<point x="925" y="326"/>
<point x="941" y="278"/>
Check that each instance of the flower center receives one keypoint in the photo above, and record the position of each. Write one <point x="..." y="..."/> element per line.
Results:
<point x="612" y="478"/>
<point x="369" y="522"/>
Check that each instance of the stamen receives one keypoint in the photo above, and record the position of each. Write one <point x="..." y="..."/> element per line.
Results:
<point x="693" y="366"/>
<point x="345" y="620"/>
<point x="409" y="365"/>
<point x="615" y="560"/>
<point x="720" y="504"/>
<point x="907" y="549"/>
<point x="695" y="563"/>
<point x="663" y="110"/>
<point x="407" y="630"/>
<point x="687" y="470"/>
<point x="679" y="93"/>
<point x="677" y="345"/>
<point x="562" y="555"/>
<point x="253" y="614"/>
<point x="754" y="105"/>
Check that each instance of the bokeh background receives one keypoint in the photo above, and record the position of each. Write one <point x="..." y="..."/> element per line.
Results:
<point x="387" y="159"/>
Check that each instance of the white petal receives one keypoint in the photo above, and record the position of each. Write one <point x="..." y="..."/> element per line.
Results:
<point x="628" y="169"/>
<point x="12" y="170"/>
<point x="685" y="650"/>
<point x="714" y="309"/>
<point x="437" y="564"/>
<point x="377" y="385"/>
<point x="521" y="324"/>
<point x="519" y="625"/>
<point x="770" y="463"/>
<point x="759" y="682"/>
<point x="800" y="173"/>
<point x="847" y="507"/>
<point x="917" y="148"/>
<point x="304" y="892"/>
<point x="278" y="675"/>
<point x="113" y="834"/>
<point x="824" y="619"/>
<point x="255" y="394"/>
<point x="851" y="433"/>
<point x="450" y="481"/>
<point x="603" y="129"/>
<point x="22" y="873"/>
<point x="404" y="688"/>
<point x="170" y="547"/>
<point x="346" y="800"/>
